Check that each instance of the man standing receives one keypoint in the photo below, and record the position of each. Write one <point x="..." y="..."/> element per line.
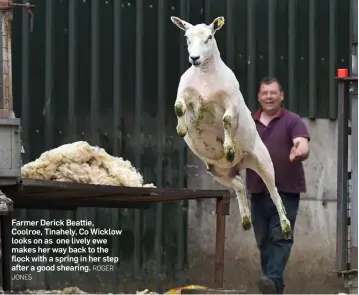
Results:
<point x="286" y="138"/>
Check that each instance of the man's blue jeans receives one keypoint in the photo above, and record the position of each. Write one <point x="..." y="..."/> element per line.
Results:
<point x="274" y="249"/>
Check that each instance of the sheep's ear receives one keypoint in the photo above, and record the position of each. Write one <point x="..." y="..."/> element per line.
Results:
<point x="183" y="25"/>
<point x="217" y="24"/>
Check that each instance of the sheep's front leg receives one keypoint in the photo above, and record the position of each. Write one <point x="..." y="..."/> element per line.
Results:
<point x="180" y="110"/>
<point x="228" y="119"/>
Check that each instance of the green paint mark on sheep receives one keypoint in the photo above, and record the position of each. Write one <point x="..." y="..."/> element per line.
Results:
<point x="206" y="112"/>
<point x="199" y="130"/>
<point x="205" y="115"/>
<point x="220" y="140"/>
<point x="181" y="132"/>
<point x="179" y="109"/>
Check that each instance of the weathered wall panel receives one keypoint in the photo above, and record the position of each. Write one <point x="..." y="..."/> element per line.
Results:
<point x="106" y="71"/>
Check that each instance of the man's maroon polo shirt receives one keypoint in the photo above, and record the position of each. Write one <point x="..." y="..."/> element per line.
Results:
<point x="278" y="138"/>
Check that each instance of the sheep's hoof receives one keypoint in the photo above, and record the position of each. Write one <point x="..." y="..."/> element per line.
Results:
<point x="179" y="109"/>
<point x="246" y="223"/>
<point x="286" y="229"/>
<point x="181" y="131"/>
<point x="229" y="153"/>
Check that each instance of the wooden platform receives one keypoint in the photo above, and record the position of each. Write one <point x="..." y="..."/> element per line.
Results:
<point x="32" y="193"/>
<point x="47" y="194"/>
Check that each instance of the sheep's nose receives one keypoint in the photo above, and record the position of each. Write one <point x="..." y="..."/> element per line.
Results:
<point x="194" y="58"/>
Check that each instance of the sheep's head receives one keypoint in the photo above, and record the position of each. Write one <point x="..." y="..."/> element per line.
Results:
<point x="200" y="39"/>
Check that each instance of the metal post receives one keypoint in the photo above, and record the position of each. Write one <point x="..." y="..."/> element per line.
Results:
<point x="353" y="93"/>
<point x="348" y="94"/>
<point x="222" y="209"/>
<point x="342" y="171"/>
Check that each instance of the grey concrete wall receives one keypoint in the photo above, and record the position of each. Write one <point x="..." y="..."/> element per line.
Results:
<point x="309" y="269"/>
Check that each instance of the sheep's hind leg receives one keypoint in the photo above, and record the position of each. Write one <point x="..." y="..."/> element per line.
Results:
<point x="241" y="193"/>
<point x="180" y="110"/>
<point x="232" y="180"/>
<point x="261" y="163"/>
<point x="244" y="196"/>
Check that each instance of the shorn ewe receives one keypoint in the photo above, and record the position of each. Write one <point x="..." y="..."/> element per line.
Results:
<point x="216" y="123"/>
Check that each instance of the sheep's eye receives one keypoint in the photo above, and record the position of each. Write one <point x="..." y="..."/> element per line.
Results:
<point x="209" y="38"/>
<point x="188" y="41"/>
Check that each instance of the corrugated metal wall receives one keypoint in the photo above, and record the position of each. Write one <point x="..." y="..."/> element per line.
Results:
<point x="91" y="70"/>
<point x="106" y="71"/>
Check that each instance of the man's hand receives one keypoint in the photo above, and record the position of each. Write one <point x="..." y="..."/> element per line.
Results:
<point x="295" y="153"/>
<point x="300" y="149"/>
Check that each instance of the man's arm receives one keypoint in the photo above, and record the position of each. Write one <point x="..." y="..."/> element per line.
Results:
<point x="302" y="144"/>
<point x="300" y="137"/>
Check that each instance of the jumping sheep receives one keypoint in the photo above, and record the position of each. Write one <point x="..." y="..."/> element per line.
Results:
<point x="217" y="125"/>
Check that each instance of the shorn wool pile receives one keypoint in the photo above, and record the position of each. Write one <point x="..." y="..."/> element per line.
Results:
<point x="82" y="163"/>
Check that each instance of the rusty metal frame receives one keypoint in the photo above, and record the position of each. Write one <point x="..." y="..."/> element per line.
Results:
<point x="6" y="5"/>
<point x="6" y="97"/>
<point x="46" y="194"/>
<point x="342" y="175"/>
<point x="343" y="220"/>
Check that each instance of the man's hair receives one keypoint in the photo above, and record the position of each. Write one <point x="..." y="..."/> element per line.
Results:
<point x="269" y="80"/>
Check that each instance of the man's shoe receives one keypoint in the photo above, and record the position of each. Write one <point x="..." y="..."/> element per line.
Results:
<point x="266" y="286"/>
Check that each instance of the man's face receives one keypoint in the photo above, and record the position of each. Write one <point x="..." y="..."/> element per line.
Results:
<point x="270" y="97"/>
